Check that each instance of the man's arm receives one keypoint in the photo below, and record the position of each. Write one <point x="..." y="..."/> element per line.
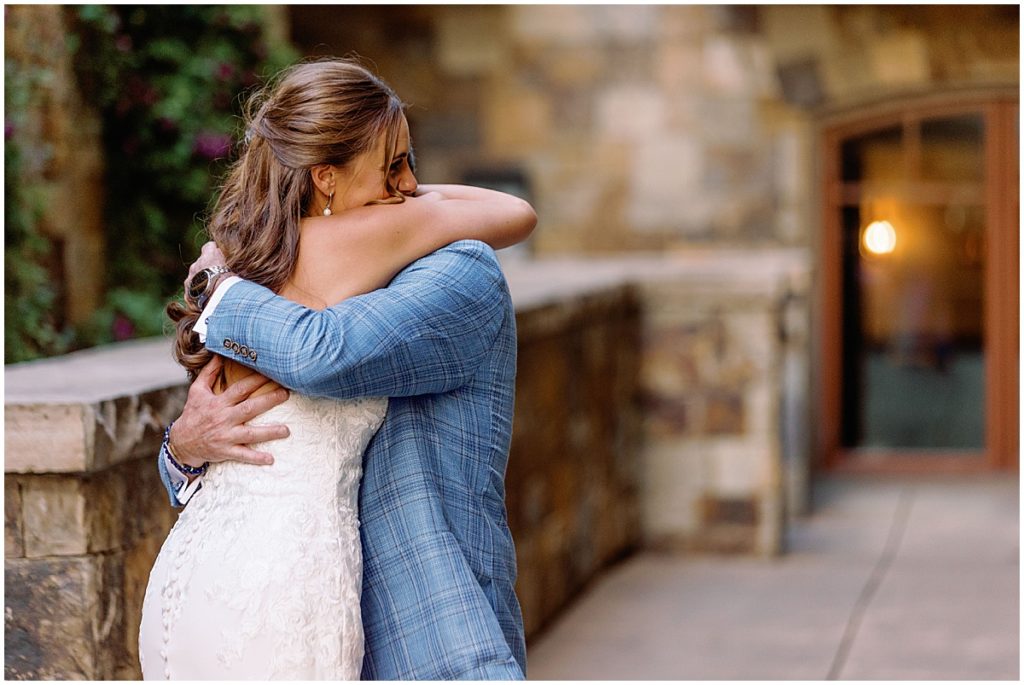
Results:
<point x="427" y="332"/>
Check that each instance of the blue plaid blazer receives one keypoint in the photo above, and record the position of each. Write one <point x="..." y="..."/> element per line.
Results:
<point x="438" y="599"/>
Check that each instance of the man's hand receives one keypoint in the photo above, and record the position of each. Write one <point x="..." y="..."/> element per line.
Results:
<point x="209" y="256"/>
<point x="211" y="426"/>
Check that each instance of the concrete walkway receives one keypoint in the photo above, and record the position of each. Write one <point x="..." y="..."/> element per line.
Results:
<point x="888" y="579"/>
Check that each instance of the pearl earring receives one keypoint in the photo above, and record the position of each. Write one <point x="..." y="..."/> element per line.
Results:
<point x="327" y="209"/>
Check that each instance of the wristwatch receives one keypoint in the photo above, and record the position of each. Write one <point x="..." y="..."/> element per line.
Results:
<point x="201" y="287"/>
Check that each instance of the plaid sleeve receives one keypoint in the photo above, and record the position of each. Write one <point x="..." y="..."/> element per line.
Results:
<point x="427" y="332"/>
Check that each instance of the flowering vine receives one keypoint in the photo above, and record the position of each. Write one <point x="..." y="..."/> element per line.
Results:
<point x="165" y="80"/>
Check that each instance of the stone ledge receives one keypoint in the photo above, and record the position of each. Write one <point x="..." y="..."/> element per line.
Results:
<point x="85" y="411"/>
<point x="760" y="273"/>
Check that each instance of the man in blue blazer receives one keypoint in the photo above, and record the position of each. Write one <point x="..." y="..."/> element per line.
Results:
<point x="438" y="599"/>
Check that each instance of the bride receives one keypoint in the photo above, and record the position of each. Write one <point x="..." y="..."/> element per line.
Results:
<point x="261" y="575"/>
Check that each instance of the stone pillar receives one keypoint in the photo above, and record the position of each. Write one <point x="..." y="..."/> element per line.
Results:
<point x="722" y="357"/>
<point x="714" y="385"/>
<point x="84" y="510"/>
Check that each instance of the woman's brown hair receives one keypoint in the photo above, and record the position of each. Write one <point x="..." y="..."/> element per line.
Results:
<point x="321" y="112"/>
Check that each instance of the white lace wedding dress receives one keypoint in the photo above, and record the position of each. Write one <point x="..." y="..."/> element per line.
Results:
<point x="260" y="576"/>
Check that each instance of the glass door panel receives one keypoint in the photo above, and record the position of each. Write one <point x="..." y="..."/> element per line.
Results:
<point x="874" y="156"/>
<point x="952" y="149"/>
<point x="914" y="367"/>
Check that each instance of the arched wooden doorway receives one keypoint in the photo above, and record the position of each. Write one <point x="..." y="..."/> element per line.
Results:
<point x="919" y="285"/>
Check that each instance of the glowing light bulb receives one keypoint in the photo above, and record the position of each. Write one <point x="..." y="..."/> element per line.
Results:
<point x="879" y="238"/>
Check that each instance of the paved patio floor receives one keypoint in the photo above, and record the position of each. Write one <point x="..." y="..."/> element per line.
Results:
<point x="894" y="579"/>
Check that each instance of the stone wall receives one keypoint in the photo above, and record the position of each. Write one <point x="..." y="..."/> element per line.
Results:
<point x="575" y="464"/>
<point x="644" y="127"/>
<point x="85" y="513"/>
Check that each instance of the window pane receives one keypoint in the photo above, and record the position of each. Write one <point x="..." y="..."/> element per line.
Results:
<point x="874" y="156"/>
<point x="952" y="150"/>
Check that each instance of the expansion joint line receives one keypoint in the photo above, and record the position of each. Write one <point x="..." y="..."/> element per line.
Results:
<point x="878" y="573"/>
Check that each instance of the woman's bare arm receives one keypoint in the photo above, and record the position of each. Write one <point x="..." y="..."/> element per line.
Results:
<point x="362" y="249"/>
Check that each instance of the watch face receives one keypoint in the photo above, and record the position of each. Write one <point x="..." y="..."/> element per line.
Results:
<point x="197" y="286"/>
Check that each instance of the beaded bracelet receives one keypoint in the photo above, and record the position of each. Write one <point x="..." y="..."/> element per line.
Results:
<point x="183" y="468"/>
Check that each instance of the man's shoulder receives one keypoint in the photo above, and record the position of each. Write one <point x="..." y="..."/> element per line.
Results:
<point x="463" y="258"/>
<point x="469" y="249"/>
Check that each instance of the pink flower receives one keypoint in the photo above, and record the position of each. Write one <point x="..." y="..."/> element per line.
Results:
<point x="123" y="328"/>
<point x="225" y="71"/>
<point x="210" y="145"/>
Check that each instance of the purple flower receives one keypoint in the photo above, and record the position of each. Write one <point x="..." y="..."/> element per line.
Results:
<point x="210" y="145"/>
<point x="123" y="328"/>
<point x="8" y="130"/>
<point x="225" y="71"/>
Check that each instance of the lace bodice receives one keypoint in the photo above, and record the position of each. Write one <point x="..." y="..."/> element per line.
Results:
<point x="265" y="561"/>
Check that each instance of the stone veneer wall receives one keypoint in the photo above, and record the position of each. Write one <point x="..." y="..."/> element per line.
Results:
<point x="643" y="127"/>
<point x="85" y="513"/>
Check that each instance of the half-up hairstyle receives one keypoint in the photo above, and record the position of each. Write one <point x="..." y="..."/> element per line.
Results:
<point x="327" y="111"/>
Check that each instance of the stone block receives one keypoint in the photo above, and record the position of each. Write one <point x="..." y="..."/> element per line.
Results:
<point x="64" y="618"/>
<point x="678" y="66"/>
<point x="81" y="437"/>
<point x="900" y="59"/>
<point x="663" y="174"/>
<point x="673" y="479"/>
<point x="727" y="67"/>
<point x="631" y="112"/>
<point x="517" y="120"/>
<point x="46" y="438"/>
<point x="729" y="120"/>
<point x="626" y="23"/>
<point x="54" y="511"/>
<point x="683" y="22"/>
<point x="552" y="24"/>
<point x="797" y="31"/>
<point x="576" y="67"/>
<point x="734" y="466"/>
<point x="470" y="39"/>
<point x="723" y="413"/>
<point x="14" y="534"/>
<point x="106" y="515"/>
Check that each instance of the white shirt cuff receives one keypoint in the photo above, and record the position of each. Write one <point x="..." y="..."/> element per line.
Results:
<point x="218" y="295"/>
<point x="183" y="490"/>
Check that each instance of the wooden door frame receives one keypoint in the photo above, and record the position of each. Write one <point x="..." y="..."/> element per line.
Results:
<point x="999" y="107"/>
